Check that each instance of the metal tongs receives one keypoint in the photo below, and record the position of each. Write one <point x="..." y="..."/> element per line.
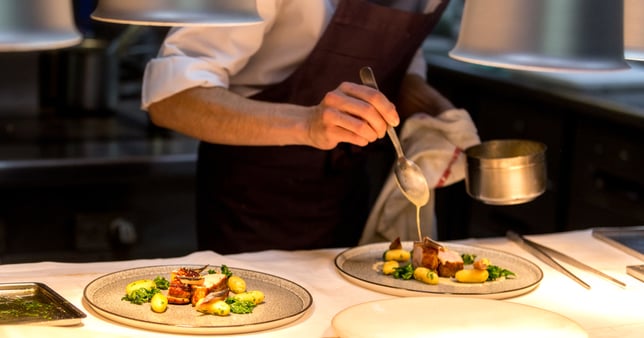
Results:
<point x="547" y="255"/>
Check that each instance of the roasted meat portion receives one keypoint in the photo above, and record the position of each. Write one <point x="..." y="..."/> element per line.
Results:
<point x="188" y="286"/>
<point x="188" y="275"/>
<point x="426" y="256"/>
<point x="178" y="292"/>
<point x="449" y="262"/>
<point x="445" y="262"/>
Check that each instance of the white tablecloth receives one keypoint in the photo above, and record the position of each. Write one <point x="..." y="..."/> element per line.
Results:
<point x="606" y="310"/>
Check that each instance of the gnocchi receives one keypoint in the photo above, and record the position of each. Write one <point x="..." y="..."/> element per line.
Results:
<point x="426" y="275"/>
<point x="146" y="284"/>
<point x="471" y="276"/>
<point x="159" y="302"/>
<point x="255" y="296"/>
<point x="236" y="284"/>
<point x="389" y="267"/>
<point x="399" y="255"/>
<point x="220" y="308"/>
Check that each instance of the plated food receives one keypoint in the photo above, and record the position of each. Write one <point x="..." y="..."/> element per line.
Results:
<point x="285" y="301"/>
<point x="363" y="266"/>
<point x="209" y="291"/>
<point x="430" y="261"/>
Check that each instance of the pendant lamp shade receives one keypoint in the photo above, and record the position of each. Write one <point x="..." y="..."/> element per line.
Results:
<point x="31" y="25"/>
<point x="634" y="29"/>
<point x="178" y="12"/>
<point x="543" y="35"/>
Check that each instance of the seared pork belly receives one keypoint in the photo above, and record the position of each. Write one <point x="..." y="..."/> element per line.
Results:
<point x="188" y="276"/>
<point x="179" y="293"/>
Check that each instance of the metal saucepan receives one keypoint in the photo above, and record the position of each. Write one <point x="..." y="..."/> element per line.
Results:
<point x="506" y="172"/>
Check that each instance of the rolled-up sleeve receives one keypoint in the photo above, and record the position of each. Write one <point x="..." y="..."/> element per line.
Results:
<point x="200" y="57"/>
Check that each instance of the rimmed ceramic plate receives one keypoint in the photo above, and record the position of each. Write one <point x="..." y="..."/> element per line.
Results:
<point x="358" y="265"/>
<point x="451" y="317"/>
<point x="285" y="302"/>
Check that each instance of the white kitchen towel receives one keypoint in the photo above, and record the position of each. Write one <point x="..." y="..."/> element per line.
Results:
<point x="436" y="144"/>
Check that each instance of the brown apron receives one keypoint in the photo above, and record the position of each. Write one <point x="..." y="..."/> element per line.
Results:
<point x="252" y="198"/>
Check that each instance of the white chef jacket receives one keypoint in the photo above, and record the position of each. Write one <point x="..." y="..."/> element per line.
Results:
<point x="244" y="59"/>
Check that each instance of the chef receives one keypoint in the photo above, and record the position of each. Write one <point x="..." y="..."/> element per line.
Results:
<point x="288" y="136"/>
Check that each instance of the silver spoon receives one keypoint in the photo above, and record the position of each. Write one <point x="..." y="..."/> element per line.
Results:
<point x="409" y="176"/>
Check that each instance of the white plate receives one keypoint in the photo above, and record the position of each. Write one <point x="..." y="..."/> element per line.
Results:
<point x="357" y="265"/>
<point x="451" y="317"/>
<point x="285" y="302"/>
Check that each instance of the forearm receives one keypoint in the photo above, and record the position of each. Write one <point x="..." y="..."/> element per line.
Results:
<point x="351" y="113"/>
<point x="216" y="115"/>
<point x="418" y="96"/>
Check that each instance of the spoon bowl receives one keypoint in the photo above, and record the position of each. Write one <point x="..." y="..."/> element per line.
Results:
<point x="411" y="181"/>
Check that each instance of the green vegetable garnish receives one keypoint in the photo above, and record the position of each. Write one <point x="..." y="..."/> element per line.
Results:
<point x="468" y="258"/>
<point x="404" y="272"/>
<point x="162" y="283"/>
<point x="240" y="306"/>
<point x="495" y="272"/>
<point x="224" y="270"/>
<point x="141" y="295"/>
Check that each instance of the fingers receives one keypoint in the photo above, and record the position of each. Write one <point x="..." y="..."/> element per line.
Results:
<point x="355" y="114"/>
<point x="351" y="113"/>
<point x="349" y="128"/>
<point x="367" y="125"/>
<point x="329" y="127"/>
<point x="378" y="107"/>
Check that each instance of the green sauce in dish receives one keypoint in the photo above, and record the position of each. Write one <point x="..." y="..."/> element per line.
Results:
<point x="28" y="307"/>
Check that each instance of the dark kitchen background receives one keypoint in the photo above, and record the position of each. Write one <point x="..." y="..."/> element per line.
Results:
<point x="84" y="175"/>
